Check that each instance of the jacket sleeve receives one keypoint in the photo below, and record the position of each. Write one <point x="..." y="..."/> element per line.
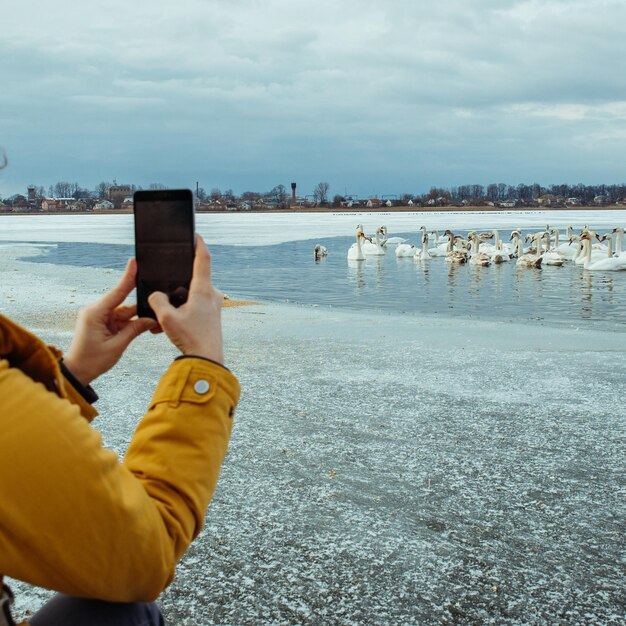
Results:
<point x="74" y="518"/>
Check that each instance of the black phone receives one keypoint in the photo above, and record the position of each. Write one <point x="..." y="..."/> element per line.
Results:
<point x="164" y="245"/>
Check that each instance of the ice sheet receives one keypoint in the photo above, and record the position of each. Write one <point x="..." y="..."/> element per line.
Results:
<point x="272" y="228"/>
<point x="387" y="469"/>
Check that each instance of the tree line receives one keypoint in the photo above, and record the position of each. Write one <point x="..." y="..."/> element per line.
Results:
<point x="280" y="196"/>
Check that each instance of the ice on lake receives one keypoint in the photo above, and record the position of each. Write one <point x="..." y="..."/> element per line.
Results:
<point x="387" y="468"/>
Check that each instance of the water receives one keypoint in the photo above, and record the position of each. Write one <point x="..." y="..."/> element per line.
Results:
<point x="246" y="266"/>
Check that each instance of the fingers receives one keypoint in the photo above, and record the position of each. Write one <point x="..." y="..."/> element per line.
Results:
<point x="120" y="292"/>
<point x="201" y="267"/>
<point x="135" y="328"/>
<point x="124" y="313"/>
<point x="159" y="303"/>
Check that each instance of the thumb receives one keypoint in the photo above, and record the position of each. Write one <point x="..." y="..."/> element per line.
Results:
<point x="134" y="328"/>
<point x="159" y="303"/>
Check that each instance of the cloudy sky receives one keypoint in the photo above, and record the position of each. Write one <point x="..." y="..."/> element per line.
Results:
<point x="372" y="96"/>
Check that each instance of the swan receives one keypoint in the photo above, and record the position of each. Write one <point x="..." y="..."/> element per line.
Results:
<point x="549" y="257"/>
<point x="525" y="260"/>
<point x="355" y="252"/>
<point x="608" y="263"/>
<point x="405" y="250"/>
<point x="390" y="241"/>
<point x="422" y="255"/>
<point x="373" y="249"/>
<point x="498" y="251"/>
<point x="478" y="258"/>
<point x="619" y="231"/>
<point x="587" y="250"/>
<point x="565" y="249"/>
<point x="440" y="249"/>
<point x="455" y="256"/>
<point x="501" y="254"/>
<point x="319" y="251"/>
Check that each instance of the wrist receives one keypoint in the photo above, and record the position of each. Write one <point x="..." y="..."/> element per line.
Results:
<point x="77" y="372"/>
<point x="198" y="356"/>
<point x="83" y="389"/>
<point x="208" y="355"/>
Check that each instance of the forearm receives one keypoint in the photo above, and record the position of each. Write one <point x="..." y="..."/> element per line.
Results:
<point x="84" y="524"/>
<point x="179" y="446"/>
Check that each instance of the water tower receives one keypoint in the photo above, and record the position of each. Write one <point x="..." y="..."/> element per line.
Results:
<point x="293" y="193"/>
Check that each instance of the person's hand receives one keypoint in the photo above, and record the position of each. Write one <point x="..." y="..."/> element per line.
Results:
<point x="104" y="330"/>
<point x="195" y="328"/>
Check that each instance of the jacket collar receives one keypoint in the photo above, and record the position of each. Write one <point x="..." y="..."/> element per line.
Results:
<point x="28" y="353"/>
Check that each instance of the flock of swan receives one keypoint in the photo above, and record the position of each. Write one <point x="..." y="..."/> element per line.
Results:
<point x="587" y="248"/>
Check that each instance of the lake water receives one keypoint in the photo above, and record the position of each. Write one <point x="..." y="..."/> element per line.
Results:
<point x="270" y="257"/>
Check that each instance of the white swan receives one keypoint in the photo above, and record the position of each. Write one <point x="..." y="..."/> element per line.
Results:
<point x="355" y="252"/>
<point x="586" y="249"/>
<point x="422" y="255"/>
<point x="566" y="250"/>
<point x="609" y="263"/>
<point x="373" y="249"/>
<point x="390" y="241"/>
<point x="548" y="257"/>
<point x="438" y="249"/>
<point x="405" y="250"/>
<point x="619" y="231"/>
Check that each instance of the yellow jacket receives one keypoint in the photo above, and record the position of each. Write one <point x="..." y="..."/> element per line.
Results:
<point x="75" y="519"/>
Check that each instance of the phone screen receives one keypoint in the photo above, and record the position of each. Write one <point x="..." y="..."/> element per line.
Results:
<point x="164" y="245"/>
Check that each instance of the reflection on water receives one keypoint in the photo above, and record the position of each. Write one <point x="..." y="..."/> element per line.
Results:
<point x="288" y="272"/>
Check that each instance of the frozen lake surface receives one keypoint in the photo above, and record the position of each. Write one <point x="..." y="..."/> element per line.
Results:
<point x="385" y="468"/>
<point x="285" y="271"/>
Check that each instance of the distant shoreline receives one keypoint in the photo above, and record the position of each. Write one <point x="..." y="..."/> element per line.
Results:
<point x="355" y="211"/>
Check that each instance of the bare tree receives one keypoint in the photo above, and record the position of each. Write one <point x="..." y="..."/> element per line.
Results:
<point x="279" y="194"/>
<point x="320" y="193"/>
<point x="63" y="189"/>
<point x="102" y="190"/>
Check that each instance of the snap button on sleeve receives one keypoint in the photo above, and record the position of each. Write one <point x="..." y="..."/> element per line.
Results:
<point x="201" y="386"/>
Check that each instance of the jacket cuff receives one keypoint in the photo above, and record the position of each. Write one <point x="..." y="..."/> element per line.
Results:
<point x="86" y="392"/>
<point x="196" y="380"/>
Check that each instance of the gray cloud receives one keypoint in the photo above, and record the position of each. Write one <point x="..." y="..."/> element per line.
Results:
<point x="247" y="94"/>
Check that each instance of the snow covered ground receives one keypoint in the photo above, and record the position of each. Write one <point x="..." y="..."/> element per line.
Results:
<point x="385" y="469"/>
<point x="273" y="228"/>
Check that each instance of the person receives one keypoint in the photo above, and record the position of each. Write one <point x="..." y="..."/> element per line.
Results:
<point x="107" y="534"/>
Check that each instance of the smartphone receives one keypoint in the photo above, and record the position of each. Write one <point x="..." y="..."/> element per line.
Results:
<point x="164" y="245"/>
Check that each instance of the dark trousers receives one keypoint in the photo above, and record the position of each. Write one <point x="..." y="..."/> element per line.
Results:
<point x="65" y="610"/>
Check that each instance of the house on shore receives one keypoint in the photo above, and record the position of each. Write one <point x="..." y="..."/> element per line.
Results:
<point x="103" y="205"/>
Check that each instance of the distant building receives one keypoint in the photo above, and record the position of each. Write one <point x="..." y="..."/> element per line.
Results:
<point x="373" y="203"/>
<point x="547" y="199"/>
<point x="103" y="205"/>
<point x="601" y="200"/>
<point x="57" y="204"/>
<point x="128" y="203"/>
<point x="32" y="196"/>
<point x="118" y="193"/>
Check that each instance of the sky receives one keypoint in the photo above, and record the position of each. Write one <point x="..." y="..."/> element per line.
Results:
<point x="374" y="97"/>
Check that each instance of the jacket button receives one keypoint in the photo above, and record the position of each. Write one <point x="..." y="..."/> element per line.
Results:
<point x="201" y="386"/>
